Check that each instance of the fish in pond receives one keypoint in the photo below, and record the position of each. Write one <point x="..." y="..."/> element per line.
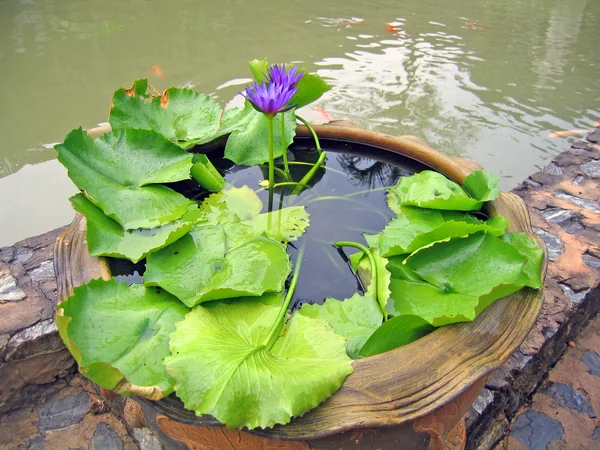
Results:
<point x="475" y="26"/>
<point x="323" y="114"/>
<point x="567" y="133"/>
<point x="158" y="71"/>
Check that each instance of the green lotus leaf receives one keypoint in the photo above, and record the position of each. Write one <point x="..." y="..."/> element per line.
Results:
<point x="436" y="306"/>
<point x="259" y="69"/>
<point x="416" y="227"/>
<point x="119" y="335"/>
<point x="222" y="367"/>
<point x="394" y="333"/>
<point x="355" y="318"/>
<point x="105" y="237"/>
<point x="310" y="88"/>
<point x="428" y="189"/>
<point x="200" y="267"/>
<point x="121" y="173"/>
<point x="534" y="257"/>
<point x="482" y="185"/>
<point x="399" y="270"/>
<point x="181" y="115"/>
<point x="249" y="146"/>
<point x="206" y="174"/>
<point x="470" y="266"/>
<point x="362" y="267"/>
<point x="237" y="209"/>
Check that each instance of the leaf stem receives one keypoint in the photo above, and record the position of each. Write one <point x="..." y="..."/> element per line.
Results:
<point x="305" y="180"/>
<point x="276" y="328"/>
<point x="284" y="183"/>
<point x="312" y="131"/>
<point x="302" y="163"/>
<point x="366" y="251"/>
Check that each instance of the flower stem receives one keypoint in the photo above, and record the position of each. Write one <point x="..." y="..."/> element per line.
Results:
<point x="271" y="163"/>
<point x="283" y="148"/>
<point x="306" y="179"/>
<point x="276" y="328"/>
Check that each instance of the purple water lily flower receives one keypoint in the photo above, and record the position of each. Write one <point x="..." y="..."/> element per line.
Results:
<point x="272" y="97"/>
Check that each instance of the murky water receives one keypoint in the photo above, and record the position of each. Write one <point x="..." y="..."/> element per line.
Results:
<point x="487" y="80"/>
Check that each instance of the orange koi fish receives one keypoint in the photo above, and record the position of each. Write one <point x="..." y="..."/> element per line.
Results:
<point x="323" y="114"/>
<point x="158" y="71"/>
<point x="567" y="133"/>
<point x="475" y="26"/>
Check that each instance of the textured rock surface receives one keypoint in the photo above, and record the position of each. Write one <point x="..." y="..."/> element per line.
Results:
<point x="74" y="417"/>
<point x="564" y="203"/>
<point x="32" y="356"/>
<point x="567" y="401"/>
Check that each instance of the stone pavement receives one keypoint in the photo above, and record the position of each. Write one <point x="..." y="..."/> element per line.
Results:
<point x="563" y="414"/>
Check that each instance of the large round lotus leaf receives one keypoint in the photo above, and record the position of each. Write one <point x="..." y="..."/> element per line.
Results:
<point x="119" y="335"/>
<point x="105" y="237"/>
<point x="471" y="266"/>
<point x="179" y="114"/>
<point x="249" y="146"/>
<point x="200" y="267"/>
<point x="222" y="367"/>
<point x="121" y="174"/>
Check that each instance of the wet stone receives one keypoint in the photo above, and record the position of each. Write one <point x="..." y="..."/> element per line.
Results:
<point x="590" y="205"/>
<point x="553" y="243"/>
<point x="40" y="338"/>
<point x="105" y="439"/>
<point x="596" y="435"/>
<point x="552" y="169"/>
<point x="536" y="430"/>
<point x="592" y="361"/>
<point x="36" y="444"/>
<point x="146" y="439"/>
<point x="593" y="137"/>
<point x="578" y="179"/>
<point x="62" y="413"/>
<point x="591" y="169"/>
<point x="44" y="272"/>
<point x="591" y="261"/>
<point x="568" y="397"/>
<point x="575" y="297"/>
<point x="9" y="291"/>
<point x="568" y="219"/>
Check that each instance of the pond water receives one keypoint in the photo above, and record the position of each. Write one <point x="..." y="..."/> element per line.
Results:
<point x="487" y="80"/>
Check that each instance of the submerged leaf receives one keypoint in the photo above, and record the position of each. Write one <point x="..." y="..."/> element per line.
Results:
<point x="237" y="209"/>
<point x="105" y="237"/>
<point x="201" y="266"/>
<point x="119" y="335"/>
<point x="181" y="115"/>
<point x="121" y="174"/>
<point x="394" y="333"/>
<point x="222" y="367"/>
<point x="249" y="146"/>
